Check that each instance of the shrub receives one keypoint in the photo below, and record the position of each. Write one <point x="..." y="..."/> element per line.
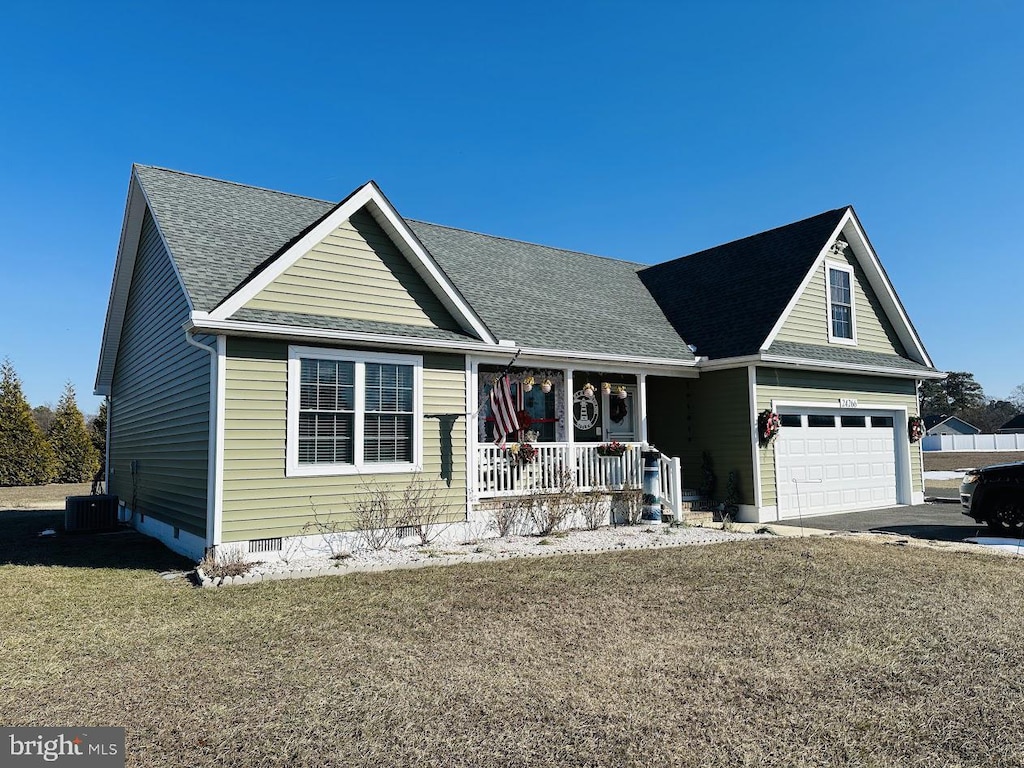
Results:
<point x="76" y="457"/>
<point x="229" y="562"/>
<point x="421" y="508"/>
<point x="554" y="509"/>
<point x="628" y="504"/>
<point x="512" y="512"/>
<point x="25" y="456"/>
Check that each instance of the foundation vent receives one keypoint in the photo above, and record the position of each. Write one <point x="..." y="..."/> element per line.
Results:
<point x="403" y="531"/>
<point x="265" y="545"/>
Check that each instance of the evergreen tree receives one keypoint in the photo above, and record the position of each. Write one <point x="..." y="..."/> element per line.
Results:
<point x="98" y="432"/>
<point x="25" y="456"/>
<point x="77" y="459"/>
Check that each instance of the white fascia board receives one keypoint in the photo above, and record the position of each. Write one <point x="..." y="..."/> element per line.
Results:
<point x="795" y="298"/>
<point x="124" y="269"/>
<point x="886" y="294"/>
<point x="370" y="197"/>
<point x="723" y="363"/>
<point x="205" y="323"/>
<point x="822" y="365"/>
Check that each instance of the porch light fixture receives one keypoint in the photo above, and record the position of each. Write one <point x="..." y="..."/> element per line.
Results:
<point x="839" y="247"/>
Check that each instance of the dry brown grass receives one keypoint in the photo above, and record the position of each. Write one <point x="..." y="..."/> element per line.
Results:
<point x="780" y="652"/>
<point x="40" y="496"/>
<point x="952" y="460"/>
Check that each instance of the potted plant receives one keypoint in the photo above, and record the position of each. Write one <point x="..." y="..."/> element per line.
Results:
<point x="620" y="392"/>
<point x="606" y="387"/>
<point x="614" y="448"/>
<point x="545" y="386"/>
<point x="588" y="389"/>
<point x="527" y="383"/>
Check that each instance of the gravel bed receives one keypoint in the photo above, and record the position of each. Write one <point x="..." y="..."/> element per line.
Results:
<point x="607" y="539"/>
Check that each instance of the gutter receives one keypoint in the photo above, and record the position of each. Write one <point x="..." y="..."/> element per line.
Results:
<point x="203" y="323"/>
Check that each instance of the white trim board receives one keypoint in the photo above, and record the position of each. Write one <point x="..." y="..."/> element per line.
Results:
<point x="368" y="196"/>
<point x="124" y="269"/>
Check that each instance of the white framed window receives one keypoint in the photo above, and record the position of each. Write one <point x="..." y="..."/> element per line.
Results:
<point x="842" y="327"/>
<point x="353" y="412"/>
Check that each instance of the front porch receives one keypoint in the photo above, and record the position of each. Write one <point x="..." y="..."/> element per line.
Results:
<point x="500" y="472"/>
<point x="583" y="428"/>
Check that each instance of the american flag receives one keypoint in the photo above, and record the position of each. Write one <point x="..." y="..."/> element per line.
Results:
<point x="503" y="408"/>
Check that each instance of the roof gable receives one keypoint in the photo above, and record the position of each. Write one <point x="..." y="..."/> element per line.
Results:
<point x="355" y="272"/>
<point x="726" y="300"/>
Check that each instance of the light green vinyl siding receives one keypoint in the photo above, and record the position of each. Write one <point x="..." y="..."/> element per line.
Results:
<point x="358" y="273"/>
<point x="686" y="417"/>
<point x="809" y="321"/>
<point x="828" y="388"/>
<point x="160" y="398"/>
<point x="261" y="502"/>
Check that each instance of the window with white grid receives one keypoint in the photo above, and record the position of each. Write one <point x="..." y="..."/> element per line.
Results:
<point x="353" y="411"/>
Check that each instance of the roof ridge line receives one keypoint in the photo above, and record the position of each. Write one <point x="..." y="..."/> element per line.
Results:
<point x="749" y="237"/>
<point x="527" y="242"/>
<point x="234" y="183"/>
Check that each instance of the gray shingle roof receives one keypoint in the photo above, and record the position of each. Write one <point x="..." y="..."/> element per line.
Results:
<point x="725" y="300"/>
<point x="344" y="324"/>
<point x="219" y="232"/>
<point x="842" y="354"/>
<point x="551" y="298"/>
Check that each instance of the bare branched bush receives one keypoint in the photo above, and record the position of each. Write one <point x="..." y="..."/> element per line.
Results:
<point x="330" y="529"/>
<point x="422" y="508"/>
<point x="513" y="512"/>
<point x="221" y="562"/>
<point x="374" y="517"/>
<point x="593" y="507"/>
<point x="628" y="505"/>
<point x="552" y="510"/>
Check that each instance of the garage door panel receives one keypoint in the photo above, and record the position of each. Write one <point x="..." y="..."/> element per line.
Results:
<point x="828" y="469"/>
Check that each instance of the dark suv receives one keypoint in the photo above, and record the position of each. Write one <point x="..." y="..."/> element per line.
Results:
<point x="995" y="496"/>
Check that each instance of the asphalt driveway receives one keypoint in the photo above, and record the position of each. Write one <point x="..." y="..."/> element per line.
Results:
<point x="939" y="521"/>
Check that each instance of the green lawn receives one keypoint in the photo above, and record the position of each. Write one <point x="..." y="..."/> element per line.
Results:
<point x="776" y="652"/>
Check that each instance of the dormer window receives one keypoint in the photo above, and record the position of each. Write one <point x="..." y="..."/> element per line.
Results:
<point x="840" y="303"/>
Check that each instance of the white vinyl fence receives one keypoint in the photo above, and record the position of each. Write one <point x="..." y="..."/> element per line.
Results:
<point x="973" y="443"/>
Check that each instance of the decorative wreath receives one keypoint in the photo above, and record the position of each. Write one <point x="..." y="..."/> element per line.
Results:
<point x="768" y="426"/>
<point x="915" y="428"/>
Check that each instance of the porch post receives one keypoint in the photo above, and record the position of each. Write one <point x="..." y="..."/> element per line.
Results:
<point x="570" y="437"/>
<point x="641" y="396"/>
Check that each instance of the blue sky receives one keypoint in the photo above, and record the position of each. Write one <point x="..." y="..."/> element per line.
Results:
<point x="638" y="130"/>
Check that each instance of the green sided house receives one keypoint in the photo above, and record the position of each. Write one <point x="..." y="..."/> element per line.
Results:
<point x="272" y="362"/>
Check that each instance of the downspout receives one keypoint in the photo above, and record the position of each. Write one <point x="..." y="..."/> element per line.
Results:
<point x="211" y="464"/>
<point x="108" y="470"/>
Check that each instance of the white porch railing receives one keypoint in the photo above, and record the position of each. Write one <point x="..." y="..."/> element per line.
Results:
<point x="497" y="473"/>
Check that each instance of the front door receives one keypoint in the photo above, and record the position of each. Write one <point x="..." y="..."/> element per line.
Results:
<point x="619" y="416"/>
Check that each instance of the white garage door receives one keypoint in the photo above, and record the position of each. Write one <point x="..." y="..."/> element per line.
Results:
<point x="834" y="462"/>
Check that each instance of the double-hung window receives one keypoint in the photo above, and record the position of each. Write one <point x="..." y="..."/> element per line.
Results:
<point x="840" y="303"/>
<point x="352" y="412"/>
